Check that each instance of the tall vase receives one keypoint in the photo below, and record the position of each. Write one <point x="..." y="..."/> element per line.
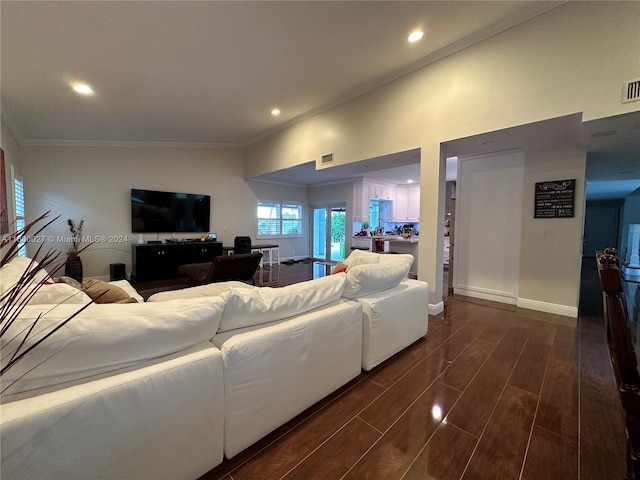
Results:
<point x="73" y="268"/>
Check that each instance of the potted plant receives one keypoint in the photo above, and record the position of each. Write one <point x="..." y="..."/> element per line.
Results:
<point x="73" y="266"/>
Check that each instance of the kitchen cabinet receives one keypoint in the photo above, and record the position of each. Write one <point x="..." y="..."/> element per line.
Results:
<point x="379" y="191"/>
<point x="406" y="207"/>
<point x="360" y="202"/>
<point x="413" y="204"/>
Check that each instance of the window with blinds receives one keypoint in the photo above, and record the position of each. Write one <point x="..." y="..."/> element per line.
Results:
<point x="18" y="195"/>
<point x="279" y="219"/>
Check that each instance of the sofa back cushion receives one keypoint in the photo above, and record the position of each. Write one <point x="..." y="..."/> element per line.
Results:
<point x="367" y="274"/>
<point x="11" y="272"/>
<point x="105" y="337"/>
<point x="245" y="307"/>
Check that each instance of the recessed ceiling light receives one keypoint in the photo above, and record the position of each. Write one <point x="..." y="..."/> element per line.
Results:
<point x="83" y="89"/>
<point x="415" y="36"/>
<point x="409" y="181"/>
<point x="275" y="112"/>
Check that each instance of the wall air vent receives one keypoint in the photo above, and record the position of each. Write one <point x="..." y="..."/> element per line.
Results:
<point x="326" y="159"/>
<point x="631" y="91"/>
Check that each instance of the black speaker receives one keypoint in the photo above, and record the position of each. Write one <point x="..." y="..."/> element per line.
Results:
<point x="117" y="271"/>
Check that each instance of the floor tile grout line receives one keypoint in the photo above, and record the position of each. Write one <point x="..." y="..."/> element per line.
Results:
<point x="494" y="407"/>
<point x="535" y="414"/>
<point x="358" y="417"/>
<point x="556" y="434"/>
<point x="322" y="444"/>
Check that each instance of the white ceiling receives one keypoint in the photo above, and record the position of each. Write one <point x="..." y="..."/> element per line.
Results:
<point x="210" y="72"/>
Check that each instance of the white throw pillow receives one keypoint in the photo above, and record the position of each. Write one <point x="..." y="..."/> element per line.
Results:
<point x="11" y="272"/>
<point x="360" y="257"/>
<point x="254" y="306"/>
<point x="58" y="293"/>
<point x="105" y="337"/>
<point x="367" y="279"/>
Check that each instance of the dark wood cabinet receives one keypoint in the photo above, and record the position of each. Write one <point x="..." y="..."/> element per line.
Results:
<point x="161" y="261"/>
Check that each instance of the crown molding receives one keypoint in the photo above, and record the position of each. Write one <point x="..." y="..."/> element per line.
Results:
<point x="110" y="143"/>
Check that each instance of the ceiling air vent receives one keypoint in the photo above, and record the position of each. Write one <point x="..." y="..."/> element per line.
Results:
<point x="326" y="159"/>
<point x="631" y="91"/>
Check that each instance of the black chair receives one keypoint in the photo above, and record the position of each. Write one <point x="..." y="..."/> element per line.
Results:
<point x="240" y="267"/>
<point x="622" y="355"/>
<point x="242" y="245"/>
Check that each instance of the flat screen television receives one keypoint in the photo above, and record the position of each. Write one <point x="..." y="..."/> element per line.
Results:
<point x="164" y="212"/>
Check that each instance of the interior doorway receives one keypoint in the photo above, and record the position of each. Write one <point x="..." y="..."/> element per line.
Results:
<point x="329" y="227"/>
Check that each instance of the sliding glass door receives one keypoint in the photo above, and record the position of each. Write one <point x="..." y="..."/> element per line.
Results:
<point x="328" y="239"/>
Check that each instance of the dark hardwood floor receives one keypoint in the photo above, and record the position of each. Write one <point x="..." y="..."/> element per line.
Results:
<point x="492" y="392"/>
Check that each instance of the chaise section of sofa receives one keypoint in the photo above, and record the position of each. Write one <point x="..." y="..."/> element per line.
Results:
<point x="309" y="346"/>
<point x="160" y="420"/>
<point x="394" y="307"/>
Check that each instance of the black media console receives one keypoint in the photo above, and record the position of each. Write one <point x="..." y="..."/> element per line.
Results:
<point x="161" y="261"/>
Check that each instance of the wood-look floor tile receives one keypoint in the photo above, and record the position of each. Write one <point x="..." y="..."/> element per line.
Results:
<point x="502" y="447"/>
<point x="602" y="436"/>
<point x="351" y="442"/>
<point x="445" y="455"/>
<point x="390" y="405"/>
<point x="558" y="406"/>
<point x="394" y="368"/>
<point x="565" y="345"/>
<point x="595" y="367"/>
<point x="463" y="369"/>
<point x="392" y="455"/>
<point x="474" y="408"/>
<point x="460" y="340"/>
<point x="494" y="332"/>
<point x="277" y="459"/>
<point x="529" y="370"/>
<point x="550" y="457"/>
<point x="510" y="347"/>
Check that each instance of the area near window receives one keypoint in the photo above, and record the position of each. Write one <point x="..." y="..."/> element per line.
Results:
<point x="279" y="219"/>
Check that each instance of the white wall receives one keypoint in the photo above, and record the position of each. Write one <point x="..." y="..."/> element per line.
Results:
<point x="333" y="194"/>
<point x="556" y="64"/>
<point x="289" y="247"/>
<point x="488" y="224"/>
<point x="11" y="149"/>
<point x="94" y="183"/>
<point x="550" y="265"/>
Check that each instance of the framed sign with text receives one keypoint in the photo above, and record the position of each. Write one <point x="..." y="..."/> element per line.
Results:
<point x="555" y="199"/>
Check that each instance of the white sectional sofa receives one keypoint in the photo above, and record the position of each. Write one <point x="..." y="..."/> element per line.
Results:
<point x="165" y="388"/>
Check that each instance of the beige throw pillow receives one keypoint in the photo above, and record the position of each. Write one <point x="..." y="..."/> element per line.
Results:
<point x="102" y="292"/>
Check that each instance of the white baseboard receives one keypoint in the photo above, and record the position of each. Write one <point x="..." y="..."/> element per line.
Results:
<point x="485" y="294"/>
<point x="436" y="308"/>
<point x="554" y="308"/>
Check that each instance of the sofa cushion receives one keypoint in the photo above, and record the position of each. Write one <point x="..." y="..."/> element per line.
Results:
<point x="59" y="293"/>
<point x="106" y="337"/>
<point x="209" y="290"/>
<point x="369" y="278"/>
<point x="11" y="272"/>
<point x="245" y="307"/>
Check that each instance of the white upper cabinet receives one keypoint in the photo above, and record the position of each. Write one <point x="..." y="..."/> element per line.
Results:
<point x="406" y="207"/>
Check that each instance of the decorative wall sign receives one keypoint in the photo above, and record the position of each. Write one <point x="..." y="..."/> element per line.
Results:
<point x="555" y="199"/>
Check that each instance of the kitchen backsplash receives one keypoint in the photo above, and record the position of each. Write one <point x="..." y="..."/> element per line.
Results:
<point x="391" y="228"/>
